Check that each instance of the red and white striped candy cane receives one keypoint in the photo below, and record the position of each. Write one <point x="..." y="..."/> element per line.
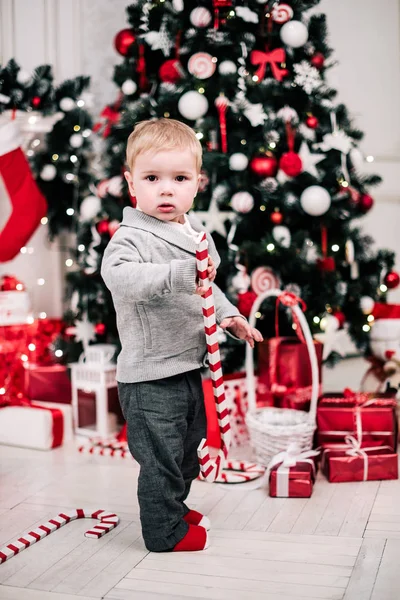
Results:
<point x="107" y="522"/>
<point x="210" y="468"/>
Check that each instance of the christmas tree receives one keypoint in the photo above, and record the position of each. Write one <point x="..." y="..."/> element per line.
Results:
<point x="282" y="176"/>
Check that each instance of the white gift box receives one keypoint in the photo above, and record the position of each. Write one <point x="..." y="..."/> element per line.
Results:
<point x="38" y="428"/>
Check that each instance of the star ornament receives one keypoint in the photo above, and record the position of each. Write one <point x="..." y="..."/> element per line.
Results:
<point x="213" y="219"/>
<point x="310" y="160"/>
<point x="84" y="332"/>
<point x="333" y="338"/>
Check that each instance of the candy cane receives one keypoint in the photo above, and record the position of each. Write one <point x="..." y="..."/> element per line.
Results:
<point x="239" y="471"/>
<point x="210" y="468"/>
<point x="107" y="522"/>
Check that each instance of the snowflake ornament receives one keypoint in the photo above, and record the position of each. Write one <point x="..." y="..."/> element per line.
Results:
<point x="337" y="140"/>
<point x="269" y="185"/>
<point x="307" y="77"/>
<point x="243" y="12"/>
<point x="308" y="134"/>
<point x="272" y="137"/>
<point x="160" y="40"/>
<point x="287" y="113"/>
<point x="255" y="114"/>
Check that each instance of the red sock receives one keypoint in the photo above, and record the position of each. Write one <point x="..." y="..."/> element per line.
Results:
<point x="193" y="517"/>
<point x="195" y="539"/>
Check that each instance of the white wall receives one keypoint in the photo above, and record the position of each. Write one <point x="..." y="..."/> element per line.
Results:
<point x="76" y="37"/>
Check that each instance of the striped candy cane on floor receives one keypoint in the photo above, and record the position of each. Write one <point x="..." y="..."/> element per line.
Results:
<point x="211" y="468"/>
<point x="107" y="522"/>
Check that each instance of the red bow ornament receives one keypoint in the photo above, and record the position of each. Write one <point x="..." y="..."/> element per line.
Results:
<point x="273" y="58"/>
<point x="108" y="117"/>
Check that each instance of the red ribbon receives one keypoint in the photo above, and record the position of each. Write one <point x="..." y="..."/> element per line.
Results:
<point x="290" y="300"/>
<point x="109" y="116"/>
<point x="273" y="58"/>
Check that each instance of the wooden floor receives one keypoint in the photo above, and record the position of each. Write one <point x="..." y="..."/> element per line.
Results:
<point x="343" y="542"/>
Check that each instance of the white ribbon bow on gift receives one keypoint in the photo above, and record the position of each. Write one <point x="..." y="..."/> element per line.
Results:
<point x="288" y="458"/>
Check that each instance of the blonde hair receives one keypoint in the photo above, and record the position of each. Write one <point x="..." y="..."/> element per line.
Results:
<point x="162" y="134"/>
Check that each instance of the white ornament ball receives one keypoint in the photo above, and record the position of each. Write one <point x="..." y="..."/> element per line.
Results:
<point x="23" y="77"/>
<point x="242" y="202"/>
<point x="241" y="281"/>
<point x="67" y="104"/>
<point x="129" y="87"/>
<point x="238" y="161"/>
<point x="200" y="17"/>
<point x="367" y="304"/>
<point x="48" y="172"/>
<point x="193" y="105"/>
<point x="76" y="140"/>
<point x="315" y="200"/>
<point x="90" y="207"/>
<point x="227" y="67"/>
<point x="281" y="234"/>
<point x="294" y="34"/>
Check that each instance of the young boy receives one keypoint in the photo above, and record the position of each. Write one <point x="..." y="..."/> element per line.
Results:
<point x="150" y="268"/>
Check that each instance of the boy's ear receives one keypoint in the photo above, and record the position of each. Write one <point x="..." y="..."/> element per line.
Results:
<point x="198" y="183"/>
<point x="129" y="180"/>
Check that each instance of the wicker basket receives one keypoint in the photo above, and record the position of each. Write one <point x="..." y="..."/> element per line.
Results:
<point x="273" y="429"/>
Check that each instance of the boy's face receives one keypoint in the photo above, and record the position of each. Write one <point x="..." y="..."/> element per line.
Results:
<point x="164" y="183"/>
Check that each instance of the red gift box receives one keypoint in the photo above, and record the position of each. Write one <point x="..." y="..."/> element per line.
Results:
<point x="355" y="464"/>
<point x="371" y="418"/>
<point x="49" y="383"/>
<point x="292" y="474"/>
<point x="284" y="368"/>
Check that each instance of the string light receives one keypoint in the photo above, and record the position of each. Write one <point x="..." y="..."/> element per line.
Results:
<point x="214" y="59"/>
<point x="44" y="220"/>
<point x="272" y="145"/>
<point x="42" y="315"/>
<point x="70" y="211"/>
<point x="270" y="247"/>
<point x="73" y="158"/>
<point x="23" y="250"/>
<point x="262" y="207"/>
<point x="371" y="318"/>
<point x="77" y="127"/>
<point x="70" y="177"/>
<point x="32" y="120"/>
<point x="86" y="133"/>
<point x="243" y="142"/>
<point x="58" y="353"/>
<point x="81" y="247"/>
<point x="335" y="248"/>
<point x="166" y="115"/>
<point x="383" y="287"/>
<point x="35" y="143"/>
<point x="366" y="327"/>
<point x="19" y="287"/>
<point x="255" y="78"/>
<point x="257" y="315"/>
<point x="41" y="281"/>
<point x="31" y="347"/>
<point x="370" y="158"/>
<point x="69" y="262"/>
<point x="2" y="391"/>
<point x="55" y="157"/>
<point x="30" y="320"/>
<point x="201" y="90"/>
<point x="24" y="357"/>
<point x="80" y="103"/>
<point x="316" y="320"/>
<point x="199" y="135"/>
<point x="30" y="250"/>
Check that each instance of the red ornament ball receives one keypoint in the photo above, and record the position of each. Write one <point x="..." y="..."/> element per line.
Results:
<point x="245" y="301"/>
<point x="392" y="280"/>
<point x="100" y="329"/>
<point x="341" y="317"/>
<point x="123" y="41"/>
<point x="103" y="227"/>
<point x="36" y="100"/>
<point x="291" y="164"/>
<point x="312" y="122"/>
<point x="264" y="166"/>
<point x="170" y="71"/>
<point x="365" y="203"/>
<point x="276" y="217"/>
<point x="318" y="60"/>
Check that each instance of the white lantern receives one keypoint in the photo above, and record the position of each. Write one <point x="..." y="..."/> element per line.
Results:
<point x="192" y="105"/>
<point x="294" y="34"/>
<point x="76" y="140"/>
<point x="227" y="67"/>
<point x="67" y="104"/>
<point x="315" y="200"/>
<point x="48" y="172"/>
<point x="129" y="87"/>
<point x="238" y="162"/>
<point x="242" y="202"/>
<point x="281" y="234"/>
<point x="89" y="208"/>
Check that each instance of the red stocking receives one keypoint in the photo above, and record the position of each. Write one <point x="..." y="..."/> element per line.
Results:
<point x="28" y="203"/>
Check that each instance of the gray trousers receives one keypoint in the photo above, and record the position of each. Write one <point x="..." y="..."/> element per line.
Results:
<point x="165" y="423"/>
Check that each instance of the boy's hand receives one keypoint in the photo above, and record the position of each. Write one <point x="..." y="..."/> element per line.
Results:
<point x="211" y="274"/>
<point x="242" y="330"/>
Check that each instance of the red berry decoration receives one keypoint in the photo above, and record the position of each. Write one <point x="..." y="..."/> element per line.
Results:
<point x="276" y="217"/>
<point x="100" y="329"/>
<point x="365" y="203"/>
<point x="291" y="164"/>
<point x="341" y="317"/>
<point x="36" y="100"/>
<point x="123" y="41"/>
<point x="103" y="227"/>
<point x="318" y="60"/>
<point x="264" y="166"/>
<point x="312" y="122"/>
<point x="392" y="280"/>
<point x="170" y="71"/>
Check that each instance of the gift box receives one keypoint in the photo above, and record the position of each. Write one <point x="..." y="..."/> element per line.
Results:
<point x="38" y="425"/>
<point x="371" y="418"/>
<point x="360" y="464"/>
<point x="284" y="368"/>
<point x="292" y="474"/>
<point x="48" y="383"/>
